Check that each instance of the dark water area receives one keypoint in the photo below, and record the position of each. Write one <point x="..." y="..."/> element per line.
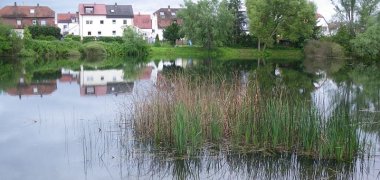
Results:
<point x="73" y="122"/>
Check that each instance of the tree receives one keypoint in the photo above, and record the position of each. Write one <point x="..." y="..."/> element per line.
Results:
<point x="134" y="43"/>
<point x="367" y="44"/>
<point x="287" y="19"/>
<point x="355" y="12"/>
<point x="238" y="19"/>
<point x="44" y="31"/>
<point x="11" y="44"/>
<point x="207" y="22"/>
<point x="172" y="33"/>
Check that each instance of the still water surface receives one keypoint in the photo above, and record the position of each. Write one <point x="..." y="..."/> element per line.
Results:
<point x="75" y="125"/>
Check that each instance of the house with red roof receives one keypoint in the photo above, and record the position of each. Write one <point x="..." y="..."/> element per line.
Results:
<point x="68" y="23"/>
<point x="163" y="18"/>
<point x="19" y="17"/>
<point x="143" y="24"/>
<point x="104" y="20"/>
<point x="322" y="24"/>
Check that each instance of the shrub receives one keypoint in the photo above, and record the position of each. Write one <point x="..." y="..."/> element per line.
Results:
<point x="93" y="51"/>
<point x="88" y="39"/>
<point x="38" y="31"/>
<point x="110" y="39"/>
<point x="324" y="49"/>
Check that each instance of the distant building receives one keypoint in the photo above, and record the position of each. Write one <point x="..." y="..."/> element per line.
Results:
<point x="68" y="23"/>
<point x="104" y="20"/>
<point x="163" y="18"/>
<point x="19" y="17"/>
<point x="143" y="24"/>
<point x="323" y="25"/>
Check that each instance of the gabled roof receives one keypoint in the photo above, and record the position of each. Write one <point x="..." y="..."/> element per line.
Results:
<point x="25" y="12"/>
<point x="119" y="11"/>
<point x="142" y="21"/>
<point x="66" y="17"/>
<point x="166" y="16"/>
<point x="99" y="9"/>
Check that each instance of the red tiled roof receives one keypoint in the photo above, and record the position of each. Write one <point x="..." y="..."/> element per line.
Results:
<point x="24" y="12"/>
<point x="99" y="9"/>
<point x="142" y="21"/>
<point x="66" y="17"/>
<point x="318" y="16"/>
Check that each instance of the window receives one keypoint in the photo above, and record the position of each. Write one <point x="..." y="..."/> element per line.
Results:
<point x="114" y="21"/>
<point x="31" y="11"/>
<point x="89" y="10"/>
<point x="89" y="22"/>
<point x="102" y="78"/>
<point x="112" y="11"/>
<point x="162" y="14"/>
<point x="35" y="90"/>
<point x="101" y="21"/>
<point x="173" y="14"/>
<point x="18" y="22"/>
<point x="90" y="78"/>
<point x="89" y="33"/>
<point x="43" y="22"/>
<point x="114" y="33"/>
<point x="99" y="33"/>
<point x="34" y="22"/>
<point x="64" y="26"/>
<point x="124" y="21"/>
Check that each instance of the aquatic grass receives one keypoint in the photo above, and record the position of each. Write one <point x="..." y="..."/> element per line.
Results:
<point x="187" y="114"/>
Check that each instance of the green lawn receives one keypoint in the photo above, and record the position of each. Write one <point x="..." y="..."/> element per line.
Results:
<point x="222" y="53"/>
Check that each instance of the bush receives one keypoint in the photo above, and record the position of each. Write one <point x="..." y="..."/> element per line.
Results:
<point x="50" y="49"/>
<point x="10" y="43"/>
<point x="134" y="44"/>
<point x="40" y="31"/>
<point x="110" y="39"/>
<point x="93" y="51"/>
<point x="73" y="37"/>
<point x="88" y="39"/>
<point x="324" y="49"/>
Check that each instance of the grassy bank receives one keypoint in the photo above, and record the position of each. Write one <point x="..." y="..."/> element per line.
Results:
<point x="222" y="53"/>
<point x="189" y="115"/>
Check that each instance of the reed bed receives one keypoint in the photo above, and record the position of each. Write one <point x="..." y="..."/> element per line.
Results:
<point x="186" y="115"/>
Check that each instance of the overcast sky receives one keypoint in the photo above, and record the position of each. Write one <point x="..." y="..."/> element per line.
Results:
<point x="144" y="6"/>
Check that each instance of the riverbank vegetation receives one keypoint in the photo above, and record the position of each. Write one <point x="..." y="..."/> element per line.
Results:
<point x="189" y="113"/>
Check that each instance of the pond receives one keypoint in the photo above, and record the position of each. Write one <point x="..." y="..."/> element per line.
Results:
<point x="74" y="122"/>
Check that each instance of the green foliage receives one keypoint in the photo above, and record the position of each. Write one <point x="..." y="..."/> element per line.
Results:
<point x="11" y="44"/>
<point x="323" y="49"/>
<point x="93" y="51"/>
<point x="271" y="20"/>
<point x="367" y="44"/>
<point x="134" y="44"/>
<point x="110" y="39"/>
<point x="73" y="37"/>
<point x="207" y="22"/>
<point x="343" y="36"/>
<point x="50" y="49"/>
<point x="88" y="39"/>
<point x="237" y="36"/>
<point x="43" y="31"/>
<point x="172" y="33"/>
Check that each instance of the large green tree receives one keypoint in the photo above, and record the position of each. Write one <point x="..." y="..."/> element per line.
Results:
<point x="287" y="19"/>
<point x="172" y="33"/>
<point x="207" y="22"/>
<point x="238" y="19"/>
<point x="10" y="43"/>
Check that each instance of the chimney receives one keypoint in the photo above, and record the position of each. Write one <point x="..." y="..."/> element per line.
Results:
<point x="15" y="3"/>
<point x="38" y="4"/>
<point x="169" y="8"/>
<point x="115" y="4"/>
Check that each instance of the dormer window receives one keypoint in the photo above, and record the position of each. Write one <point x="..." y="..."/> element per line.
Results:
<point x="173" y="14"/>
<point x="31" y="11"/>
<point x="89" y="10"/>
<point x="162" y="14"/>
<point x="112" y="11"/>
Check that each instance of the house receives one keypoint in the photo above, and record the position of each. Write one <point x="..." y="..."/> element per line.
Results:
<point x="163" y="18"/>
<point x="19" y="17"/>
<point x="103" y="82"/>
<point x="42" y="88"/>
<point x="143" y="24"/>
<point x="68" y="23"/>
<point x="104" y="20"/>
<point x="322" y="23"/>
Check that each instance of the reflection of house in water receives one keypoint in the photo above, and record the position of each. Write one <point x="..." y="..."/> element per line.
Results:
<point x="102" y="82"/>
<point x="68" y="76"/>
<point x="41" y="88"/>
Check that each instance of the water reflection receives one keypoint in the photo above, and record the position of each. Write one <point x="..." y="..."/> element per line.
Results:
<point x="81" y="130"/>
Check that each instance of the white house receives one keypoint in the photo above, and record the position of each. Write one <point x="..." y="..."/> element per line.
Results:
<point x="104" y="20"/>
<point x="322" y="23"/>
<point x="143" y="25"/>
<point x="68" y="23"/>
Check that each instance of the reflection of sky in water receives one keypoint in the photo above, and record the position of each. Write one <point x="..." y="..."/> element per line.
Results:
<point x="66" y="135"/>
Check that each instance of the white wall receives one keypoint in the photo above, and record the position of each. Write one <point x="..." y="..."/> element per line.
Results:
<point x="100" y="77"/>
<point x="155" y="28"/>
<point x="106" y="29"/>
<point x="324" y="26"/>
<point x="71" y="28"/>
